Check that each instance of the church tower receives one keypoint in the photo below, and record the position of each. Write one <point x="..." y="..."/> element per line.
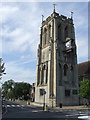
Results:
<point x="56" y="74"/>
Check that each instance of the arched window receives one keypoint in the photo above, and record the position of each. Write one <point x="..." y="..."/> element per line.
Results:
<point x="45" y="38"/>
<point x="72" y="74"/>
<point x="59" y="32"/>
<point x="65" y="69"/>
<point x="43" y="74"/>
<point x="60" y="74"/>
<point x="66" y="32"/>
<point x="71" y="68"/>
<point x="39" y="75"/>
<point x="49" y="31"/>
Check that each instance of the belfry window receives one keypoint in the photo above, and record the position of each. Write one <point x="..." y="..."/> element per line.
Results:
<point x="49" y="31"/>
<point x="39" y="75"/>
<point x="45" y="36"/>
<point x="65" y="70"/>
<point x="66" y="32"/>
<point x="71" y="68"/>
<point x="60" y="74"/>
<point x="59" y="32"/>
<point x="43" y="74"/>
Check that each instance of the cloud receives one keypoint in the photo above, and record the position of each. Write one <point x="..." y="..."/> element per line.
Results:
<point x="82" y="48"/>
<point x="16" y="72"/>
<point x="20" y="35"/>
<point x="17" y="40"/>
<point x="45" y="0"/>
<point x="24" y="25"/>
<point x="6" y="12"/>
<point x="25" y="59"/>
<point x="0" y="49"/>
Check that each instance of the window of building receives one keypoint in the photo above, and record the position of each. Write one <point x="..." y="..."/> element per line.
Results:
<point x="49" y="30"/>
<point x="71" y="68"/>
<point x="39" y="76"/>
<point x="65" y="69"/>
<point x="42" y="81"/>
<point x="60" y="74"/>
<point x="67" y="93"/>
<point x="41" y="92"/>
<point x="66" y="32"/>
<point x="43" y="75"/>
<point x="45" y="36"/>
<point x="59" y="32"/>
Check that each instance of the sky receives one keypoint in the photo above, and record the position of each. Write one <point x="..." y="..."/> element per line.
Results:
<point x="20" y="24"/>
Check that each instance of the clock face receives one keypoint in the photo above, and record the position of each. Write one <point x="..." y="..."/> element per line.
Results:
<point x="68" y="44"/>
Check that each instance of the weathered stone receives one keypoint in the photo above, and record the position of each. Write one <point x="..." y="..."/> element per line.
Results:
<point x="57" y="62"/>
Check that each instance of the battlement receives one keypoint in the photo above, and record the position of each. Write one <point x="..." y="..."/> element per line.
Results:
<point x="57" y="16"/>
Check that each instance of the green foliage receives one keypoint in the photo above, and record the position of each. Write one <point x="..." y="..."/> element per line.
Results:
<point x="16" y="90"/>
<point x="21" y="89"/>
<point x="8" y="85"/>
<point x="84" y="90"/>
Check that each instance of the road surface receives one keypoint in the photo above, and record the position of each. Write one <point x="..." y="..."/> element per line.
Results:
<point x="21" y="112"/>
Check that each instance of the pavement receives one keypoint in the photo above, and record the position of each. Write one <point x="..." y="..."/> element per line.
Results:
<point x="82" y="107"/>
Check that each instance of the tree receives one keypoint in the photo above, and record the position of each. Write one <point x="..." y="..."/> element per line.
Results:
<point x="8" y="85"/>
<point x="84" y="90"/>
<point x="22" y="90"/>
<point x="16" y="90"/>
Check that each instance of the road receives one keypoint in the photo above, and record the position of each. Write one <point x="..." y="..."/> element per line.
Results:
<point x="21" y="112"/>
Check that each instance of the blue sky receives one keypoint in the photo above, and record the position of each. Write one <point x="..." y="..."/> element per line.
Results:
<point x="19" y="37"/>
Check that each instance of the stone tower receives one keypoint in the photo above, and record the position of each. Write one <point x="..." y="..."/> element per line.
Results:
<point x="57" y="62"/>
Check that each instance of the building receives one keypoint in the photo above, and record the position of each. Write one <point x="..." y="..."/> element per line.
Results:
<point x="84" y="70"/>
<point x="83" y="73"/>
<point x="57" y="75"/>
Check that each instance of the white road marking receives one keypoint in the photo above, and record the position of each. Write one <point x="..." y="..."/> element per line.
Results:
<point x="13" y="105"/>
<point x="83" y="114"/>
<point x="68" y="115"/>
<point x="22" y="105"/>
<point x="83" y="117"/>
<point x="8" y="105"/>
<point x="80" y="112"/>
<point x="18" y="105"/>
<point x="34" y="111"/>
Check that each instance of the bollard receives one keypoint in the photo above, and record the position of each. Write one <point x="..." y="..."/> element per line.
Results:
<point x="45" y="107"/>
<point x="60" y="105"/>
